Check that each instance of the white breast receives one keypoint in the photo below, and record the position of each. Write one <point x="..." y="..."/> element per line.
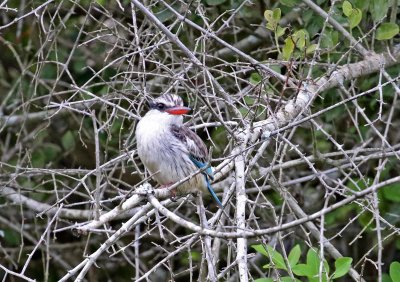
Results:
<point x="164" y="155"/>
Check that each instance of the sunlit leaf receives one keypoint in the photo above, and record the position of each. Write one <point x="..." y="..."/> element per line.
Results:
<point x="288" y="48"/>
<point x="355" y="18"/>
<point x="342" y="266"/>
<point x="394" y="271"/>
<point x="294" y="255"/>
<point x="302" y="270"/>
<point x="387" y="31"/>
<point x="280" y="31"/>
<point x="260" y="249"/>
<point x="274" y="255"/>
<point x="347" y="8"/>
<point x="300" y="38"/>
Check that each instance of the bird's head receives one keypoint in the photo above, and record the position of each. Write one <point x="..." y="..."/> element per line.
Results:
<point x="168" y="107"/>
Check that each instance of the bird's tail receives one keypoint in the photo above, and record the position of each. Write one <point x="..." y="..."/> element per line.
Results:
<point x="208" y="173"/>
<point x="211" y="190"/>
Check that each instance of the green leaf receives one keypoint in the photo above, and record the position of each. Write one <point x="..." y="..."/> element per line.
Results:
<point x="280" y="31"/>
<point x="264" y="280"/>
<point x="379" y="9"/>
<point x="395" y="271"/>
<point x="273" y="17"/>
<point x="196" y="256"/>
<point x="51" y="151"/>
<point x="215" y="2"/>
<point x="361" y="4"/>
<point x="289" y="3"/>
<point x="294" y="256"/>
<point x="288" y="48"/>
<point x="38" y="158"/>
<point x="313" y="261"/>
<point x="255" y="78"/>
<point x="274" y="255"/>
<point x="342" y="266"/>
<point x="392" y="192"/>
<point x="277" y="68"/>
<point x="271" y="24"/>
<point x="386" y="278"/>
<point x="260" y="249"/>
<point x="330" y="38"/>
<point x="347" y="8"/>
<point x="302" y="270"/>
<point x="359" y="184"/>
<point x="268" y="15"/>
<point x="355" y="18"/>
<point x="164" y="15"/>
<point x="11" y="237"/>
<point x="311" y="49"/>
<point x="68" y="140"/>
<point x="276" y="258"/>
<point x="387" y="31"/>
<point x="288" y="279"/>
<point x="276" y="14"/>
<point x="300" y="38"/>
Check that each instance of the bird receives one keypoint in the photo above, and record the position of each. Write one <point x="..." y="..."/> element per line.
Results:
<point x="170" y="150"/>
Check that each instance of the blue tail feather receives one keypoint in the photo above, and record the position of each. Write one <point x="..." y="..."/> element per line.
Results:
<point x="211" y="190"/>
<point x="208" y="173"/>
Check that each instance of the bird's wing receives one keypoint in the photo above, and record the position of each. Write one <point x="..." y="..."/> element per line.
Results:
<point x="195" y="146"/>
<point x="197" y="153"/>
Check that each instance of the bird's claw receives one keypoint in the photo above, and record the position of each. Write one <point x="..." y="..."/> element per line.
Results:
<point x="173" y="195"/>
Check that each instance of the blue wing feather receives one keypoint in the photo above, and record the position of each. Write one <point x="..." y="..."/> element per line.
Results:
<point x="200" y="164"/>
<point x="208" y="173"/>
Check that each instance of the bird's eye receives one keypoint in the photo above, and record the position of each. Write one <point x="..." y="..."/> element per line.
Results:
<point x="160" y="106"/>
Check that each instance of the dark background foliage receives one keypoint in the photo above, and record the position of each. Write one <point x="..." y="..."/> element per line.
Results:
<point x="74" y="79"/>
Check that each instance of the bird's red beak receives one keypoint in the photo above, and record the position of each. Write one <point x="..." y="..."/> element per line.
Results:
<point x="178" y="110"/>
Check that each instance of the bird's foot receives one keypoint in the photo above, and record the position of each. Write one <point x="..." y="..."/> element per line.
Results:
<point x="172" y="192"/>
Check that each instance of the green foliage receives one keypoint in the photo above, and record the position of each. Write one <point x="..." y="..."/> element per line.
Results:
<point x="378" y="9"/>
<point x="290" y="3"/>
<point x="264" y="280"/>
<point x="342" y="267"/>
<point x="68" y="140"/>
<point x="288" y="48"/>
<point x="395" y="271"/>
<point x="294" y="256"/>
<point x="255" y="78"/>
<point x="354" y="15"/>
<point x="10" y="237"/>
<point x="310" y="269"/>
<point x="392" y="192"/>
<point x="330" y="39"/>
<point x="387" y="31"/>
<point x="273" y="17"/>
<point x="299" y="40"/>
<point x="215" y="2"/>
